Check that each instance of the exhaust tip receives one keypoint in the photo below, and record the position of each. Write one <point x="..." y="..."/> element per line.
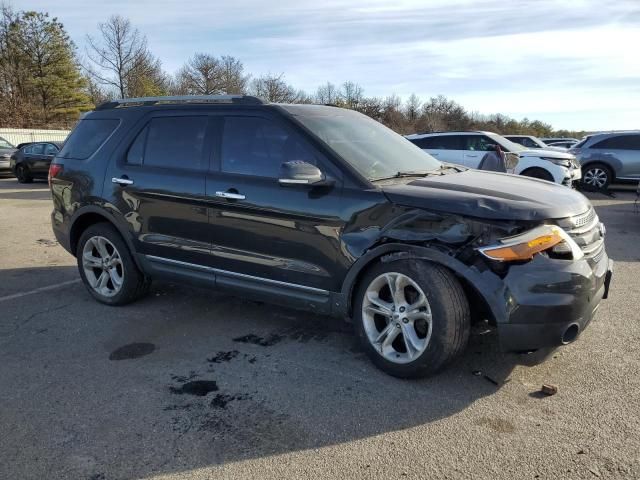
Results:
<point x="570" y="334"/>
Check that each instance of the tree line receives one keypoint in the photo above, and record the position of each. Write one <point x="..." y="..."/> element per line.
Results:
<point x="46" y="82"/>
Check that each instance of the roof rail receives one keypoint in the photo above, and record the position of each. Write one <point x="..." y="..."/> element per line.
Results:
<point x="181" y="99"/>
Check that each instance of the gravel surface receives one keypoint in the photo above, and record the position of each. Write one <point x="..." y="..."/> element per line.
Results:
<point x="192" y="384"/>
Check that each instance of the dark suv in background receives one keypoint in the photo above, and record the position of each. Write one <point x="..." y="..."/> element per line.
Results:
<point x="326" y="210"/>
<point x="609" y="157"/>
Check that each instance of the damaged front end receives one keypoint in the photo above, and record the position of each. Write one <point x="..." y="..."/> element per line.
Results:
<point x="532" y="279"/>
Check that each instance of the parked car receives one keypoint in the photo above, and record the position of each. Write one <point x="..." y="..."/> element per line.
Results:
<point x="565" y="144"/>
<point x="33" y="160"/>
<point x="468" y="149"/>
<point x="6" y="150"/>
<point x="609" y="157"/>
<point x="531" y="142"/>
<point x="326" y="210"/>
<point x="549" y="140"/>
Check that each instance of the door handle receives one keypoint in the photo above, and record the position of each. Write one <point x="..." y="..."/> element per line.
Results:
<point x="433" y="154"/>
<point x="230" y="195"/>
<point x="122" y="181"/>
<point x="469" y="155"/>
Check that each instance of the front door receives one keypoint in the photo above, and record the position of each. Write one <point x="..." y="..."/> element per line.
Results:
<point x="157" y="182"/>
<point x="261" y="231"/>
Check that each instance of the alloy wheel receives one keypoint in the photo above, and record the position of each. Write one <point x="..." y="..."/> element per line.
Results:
<point x="596" y="177"/>
<point x="102" y="266"/>
<point x="397" y="317"/>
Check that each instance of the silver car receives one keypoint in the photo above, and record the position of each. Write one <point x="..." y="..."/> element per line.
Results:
<point x="609" y="157"/>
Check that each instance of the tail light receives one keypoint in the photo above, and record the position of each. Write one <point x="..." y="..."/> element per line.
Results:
<point x="55" y="169"/>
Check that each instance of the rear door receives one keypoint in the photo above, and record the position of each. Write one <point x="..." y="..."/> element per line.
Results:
<point x="157" y="182"/>
<point x="622" y="152"/>
<point x="43" y="162"/>
<point x="446" y="148"/>
<point x="33" y="156"/>
<point x="265" y="235"/>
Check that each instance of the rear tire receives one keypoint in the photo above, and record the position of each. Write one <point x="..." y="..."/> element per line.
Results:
<point x="107" y="268"/>
<point x="540" y="173"/>
<point x="400" y="339"/>
<point x="23" y="174"/>
<point x="596" y="176"/>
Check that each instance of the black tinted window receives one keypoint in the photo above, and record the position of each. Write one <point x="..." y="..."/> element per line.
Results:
<point x="621" y="142"/>
<point x="173" y="142"/>
<point x="87" y="137"/>
<point x="257" y="146"/>
<point x="136" y="150"/>
<point x="440" y="142"/>
<point x="478" y="143"/>
<point x="35" y="149"/>
<point x="50" y="149"/>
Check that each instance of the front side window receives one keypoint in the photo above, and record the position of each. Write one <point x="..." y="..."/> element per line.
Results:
<point x="170" y="142"/>
<point x="5" y="144"/>
<point x="50" y="149"/>
<point x="258" y="146"/>
<point x="478" y="143"/>
<point x="88" y="137"/>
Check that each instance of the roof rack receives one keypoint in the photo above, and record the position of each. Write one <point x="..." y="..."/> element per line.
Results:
<point x="181" y="99"/>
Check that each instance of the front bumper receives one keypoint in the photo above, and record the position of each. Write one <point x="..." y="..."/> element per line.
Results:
<point x="550" y="302"/>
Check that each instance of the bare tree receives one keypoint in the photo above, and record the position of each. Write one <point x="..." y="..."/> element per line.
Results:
<point x="351" y="95"/>
<point x="205" y="74"/>
<point x="121" y="60"/>
<point x="327" y="94"/>
<point x="273" y="88"/>
<point x="412" y="107"/>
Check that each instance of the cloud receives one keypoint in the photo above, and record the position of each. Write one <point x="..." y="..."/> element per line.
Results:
<point x="520" y="58"/>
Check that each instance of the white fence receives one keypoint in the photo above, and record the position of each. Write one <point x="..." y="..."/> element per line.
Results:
<point x="22" y="135"/>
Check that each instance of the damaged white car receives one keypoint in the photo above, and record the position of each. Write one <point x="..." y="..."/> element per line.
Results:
<point x="471" y="149"/>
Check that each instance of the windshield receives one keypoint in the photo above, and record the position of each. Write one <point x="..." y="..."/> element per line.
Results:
<point x="374" y="150"/>
<point x="506" y="144"/>
<point x="5" y="144"/>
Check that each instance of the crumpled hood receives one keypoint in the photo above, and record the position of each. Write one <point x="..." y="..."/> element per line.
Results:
<point x="489" y="195"/>
<point x="546" y="153"/>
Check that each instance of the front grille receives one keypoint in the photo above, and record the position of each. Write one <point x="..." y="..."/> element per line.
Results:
<point x="586" y="230"/>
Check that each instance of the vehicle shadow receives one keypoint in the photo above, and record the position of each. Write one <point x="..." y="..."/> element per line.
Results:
<point x="186" y="379"/>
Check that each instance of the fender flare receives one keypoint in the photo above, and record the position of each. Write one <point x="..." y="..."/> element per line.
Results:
<point x="110" y="218"/>
<point x="486" y="283"/>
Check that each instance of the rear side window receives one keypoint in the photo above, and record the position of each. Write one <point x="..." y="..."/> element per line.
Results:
<point x="87" y="138"/>
<point x="170" y="142"/>
<point x="258" y="146"/>
<point x="440" y="142"/>
<point x="36" y="149"/>
<point x="620" y="142"/>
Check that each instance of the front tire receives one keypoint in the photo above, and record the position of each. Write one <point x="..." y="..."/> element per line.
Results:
<point x="412" y="317"/>
<point x="23" y="174"/>
<point x="107" y="268"/>
<point x="540" y="173"/>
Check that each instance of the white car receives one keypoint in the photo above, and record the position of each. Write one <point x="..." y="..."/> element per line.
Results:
<point x="469" y="148"/>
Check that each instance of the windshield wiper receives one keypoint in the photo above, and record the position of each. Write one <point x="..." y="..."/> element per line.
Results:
<point x="401" y="174"/>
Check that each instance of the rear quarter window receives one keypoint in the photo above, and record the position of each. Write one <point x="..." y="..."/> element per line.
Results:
<point x="88" y="137"/>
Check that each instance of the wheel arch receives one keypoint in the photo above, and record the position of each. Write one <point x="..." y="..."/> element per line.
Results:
<point x="589" y="163"/>
<point x="481" y="288"/>
<point x="91" y="215"/>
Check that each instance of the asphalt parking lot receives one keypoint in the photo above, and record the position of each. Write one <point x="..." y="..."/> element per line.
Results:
<point x="192" y="384"/>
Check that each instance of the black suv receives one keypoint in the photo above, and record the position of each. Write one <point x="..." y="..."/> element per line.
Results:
<point x="326" y="210"/>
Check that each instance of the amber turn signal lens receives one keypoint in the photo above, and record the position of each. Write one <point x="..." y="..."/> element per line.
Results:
<point x="526" y="249"/>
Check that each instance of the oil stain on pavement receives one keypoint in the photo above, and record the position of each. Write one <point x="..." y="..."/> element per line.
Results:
<point x="132" y="350"/>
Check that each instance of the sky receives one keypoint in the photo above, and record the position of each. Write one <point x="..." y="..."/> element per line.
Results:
<point x="571" y="63"/>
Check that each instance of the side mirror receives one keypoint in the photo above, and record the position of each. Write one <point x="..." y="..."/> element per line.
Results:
<point x="298" y="172"/>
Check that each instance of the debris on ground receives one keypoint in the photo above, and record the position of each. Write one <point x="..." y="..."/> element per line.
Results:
<point x="548" y="389"/>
